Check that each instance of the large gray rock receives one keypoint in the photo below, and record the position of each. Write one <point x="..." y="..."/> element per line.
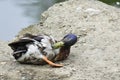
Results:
<point x="96" y="56"/>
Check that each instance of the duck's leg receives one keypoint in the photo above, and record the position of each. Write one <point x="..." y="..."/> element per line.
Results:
<point x="51" y="63"/>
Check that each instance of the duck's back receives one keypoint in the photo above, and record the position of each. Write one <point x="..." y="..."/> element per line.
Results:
<point x="35" y="47"/>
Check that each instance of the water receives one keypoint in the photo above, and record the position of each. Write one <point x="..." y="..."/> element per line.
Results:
<point x="18" y="14"/>
<point x="115" y="3"/>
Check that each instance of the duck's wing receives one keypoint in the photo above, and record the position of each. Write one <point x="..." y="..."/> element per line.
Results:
<point x="21" y="42"/>
<point x="35" y="37"/>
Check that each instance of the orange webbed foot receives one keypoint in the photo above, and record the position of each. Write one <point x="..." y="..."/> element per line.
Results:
<point x="51" y="63"/>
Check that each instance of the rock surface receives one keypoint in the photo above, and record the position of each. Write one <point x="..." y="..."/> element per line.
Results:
<point x="96" y="56"/>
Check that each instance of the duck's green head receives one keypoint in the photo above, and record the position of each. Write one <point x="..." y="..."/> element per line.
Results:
<point x="68" y="40"/>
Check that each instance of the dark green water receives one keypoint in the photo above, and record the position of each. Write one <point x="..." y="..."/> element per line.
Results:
<point x="115" y="3"/>
<point x="17" y="14"/>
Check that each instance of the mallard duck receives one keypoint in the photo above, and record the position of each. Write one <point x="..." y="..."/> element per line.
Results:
<point x="41" y="49"/>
